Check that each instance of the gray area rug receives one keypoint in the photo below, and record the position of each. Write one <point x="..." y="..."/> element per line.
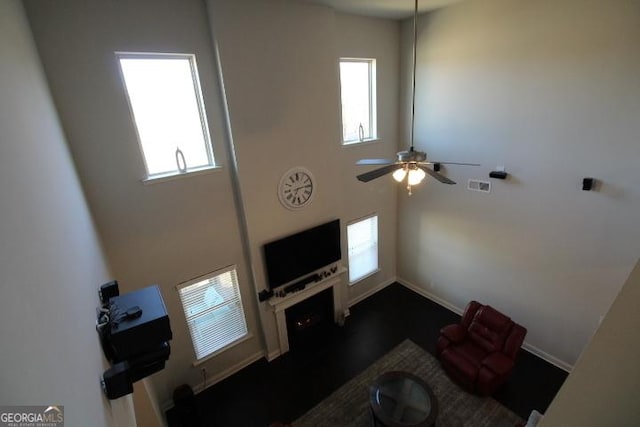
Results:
<point x="349" y="405"/>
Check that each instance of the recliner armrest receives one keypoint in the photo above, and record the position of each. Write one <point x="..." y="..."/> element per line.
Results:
<point x="498" y="363"/>
<point x="514" y="341"/>
<point x="454" y="333"/>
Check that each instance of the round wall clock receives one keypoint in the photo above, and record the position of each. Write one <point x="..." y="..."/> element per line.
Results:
<point x="296" y="188"/>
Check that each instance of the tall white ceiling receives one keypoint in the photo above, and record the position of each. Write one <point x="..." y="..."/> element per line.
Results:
<point x="394" y="9"/>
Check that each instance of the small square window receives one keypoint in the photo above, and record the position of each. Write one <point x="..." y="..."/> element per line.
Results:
<point x="362" y="240"/>
<point x="358" y="97"/>
<point x="213" y="309"/>
<point x="166" y="104"/>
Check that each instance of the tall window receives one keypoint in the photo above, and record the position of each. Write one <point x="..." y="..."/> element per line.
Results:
<point x="166" y="104"/>
<point x="362" y="239"/>
<point x="214" y="312"/>
<point x="358" y="96"/>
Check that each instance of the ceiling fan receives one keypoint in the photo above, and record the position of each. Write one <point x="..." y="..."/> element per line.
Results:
<point x="411" y="164"/>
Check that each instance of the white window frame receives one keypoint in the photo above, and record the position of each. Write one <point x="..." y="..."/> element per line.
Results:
<point x="377" y="248"/>
<point x="164" y="176"/>
<point x="183" y="290"/>
<point x="373" y="113"/>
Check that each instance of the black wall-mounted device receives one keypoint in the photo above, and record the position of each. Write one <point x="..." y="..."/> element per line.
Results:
<point x="498" y="174"/>
<point x="108" y="291"/>
<point x="587" y="184"/>
<point x="297" y="255"/>
<point x="135" y="332"/>
<point x="116" y="381"/>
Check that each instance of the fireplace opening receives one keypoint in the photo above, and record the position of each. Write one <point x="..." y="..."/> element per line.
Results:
<point x="309" y="321"/>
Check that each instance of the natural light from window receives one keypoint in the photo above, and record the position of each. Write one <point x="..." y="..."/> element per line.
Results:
<point x="214" y="312"/>
<point x="166" y="103"/>
<point x="357" y="93"/>
<point x="362" y="240"/>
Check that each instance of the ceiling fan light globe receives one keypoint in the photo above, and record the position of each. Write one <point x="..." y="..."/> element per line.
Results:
<point x="399" y="174"/>
<point x="415" y="176"/>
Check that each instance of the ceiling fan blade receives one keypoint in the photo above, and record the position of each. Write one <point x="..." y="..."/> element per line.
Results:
<point x="377" y="173"/>
<point x="374" y="162"/>
<point x="454" y="163"/>
<point x="443" y="179"/>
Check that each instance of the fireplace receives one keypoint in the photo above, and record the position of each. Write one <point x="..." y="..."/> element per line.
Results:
<point x="302" y="325"/>
<point x="310" y="320"/>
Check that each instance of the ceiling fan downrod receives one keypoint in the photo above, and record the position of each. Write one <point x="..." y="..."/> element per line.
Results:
<point x="413" y="83"/>
<point x="411" y="165"/>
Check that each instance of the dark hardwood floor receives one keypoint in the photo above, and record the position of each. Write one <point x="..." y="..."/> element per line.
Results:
<point x="287" y="387"/>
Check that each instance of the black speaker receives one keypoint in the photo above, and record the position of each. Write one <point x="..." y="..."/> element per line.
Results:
<point x="498" y="174"/>
<point x="587" y="184"/>
<point x="108" y="291"/>
<point x="116" y="381"/>
<point x="185" y="412"/>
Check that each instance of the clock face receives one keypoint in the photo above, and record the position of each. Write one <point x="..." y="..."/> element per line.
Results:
<point x="296" y="188"/>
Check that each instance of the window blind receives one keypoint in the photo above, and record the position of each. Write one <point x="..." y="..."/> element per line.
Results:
<point x="213" y="310"/>
<point x="362" y="240"/>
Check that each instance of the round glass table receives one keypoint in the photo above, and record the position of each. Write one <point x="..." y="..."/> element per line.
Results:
<point x="400" y="399"/>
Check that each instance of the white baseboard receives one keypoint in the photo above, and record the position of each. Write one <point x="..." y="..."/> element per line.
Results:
<point x="220" y="376"/>
<point x="228" y="372"/>
<point x="567" y="367"/>
<point x="273" y="355"/>
<point x="417" y="289"/>
<point x="276" y="353"/>
<point x="530" y="348"/>
<point x="371" y="291"/>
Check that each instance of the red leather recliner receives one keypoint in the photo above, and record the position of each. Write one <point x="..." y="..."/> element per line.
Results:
<point x="480" y="351"/>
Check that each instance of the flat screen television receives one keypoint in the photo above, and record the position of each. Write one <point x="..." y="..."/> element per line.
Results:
<point x="300" y="254"/>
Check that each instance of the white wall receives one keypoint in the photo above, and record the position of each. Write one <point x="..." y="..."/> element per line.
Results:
<point x="602" y="390"/>
<point x="278" y="89"/>
<point x="164" y="233"/>
<point x="280" y="65"/>
<point x="362" y="37"/>
<point x="550" y="90"/>
<point x="51" y="263"/>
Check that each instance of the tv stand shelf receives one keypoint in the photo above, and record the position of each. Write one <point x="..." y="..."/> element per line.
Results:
<point x="280" y="304"/>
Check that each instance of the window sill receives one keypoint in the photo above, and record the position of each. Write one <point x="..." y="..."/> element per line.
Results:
<point x="360" y="143"/>
<point x="366" y="276"/>
<point x="179" y="175"/>
<point x="205" y="359"/>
